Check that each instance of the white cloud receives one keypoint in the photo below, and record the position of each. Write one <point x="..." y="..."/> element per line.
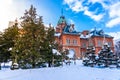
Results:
<point x="69" y="1"/>
<point x="115" y="35"/>
<point x="10" y="10"/>
<point x="76" y="5"/>
<point x="94" y="1"/>
<point x="113" y="22"/>
<point x="93" y="16"/>
<point x="114" y="10"/>
<point x="110" y="7"/>
<point x="71" y="21"/>
<point x="114" y="13"/>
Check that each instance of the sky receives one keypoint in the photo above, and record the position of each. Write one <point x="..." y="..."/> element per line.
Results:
<point x="85" y="14"/>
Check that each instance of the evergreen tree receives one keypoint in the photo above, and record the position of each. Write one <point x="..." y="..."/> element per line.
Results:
<point x="30" y="40"/>
<point x="48" y="46"/>
<point x="46" y="50"/>
<point x="1" y="55"/>
<point x="7" y="42"/>
<point x="117" y="49"/>
<point x="35" y="42"/>
<point x="50" y="39"/>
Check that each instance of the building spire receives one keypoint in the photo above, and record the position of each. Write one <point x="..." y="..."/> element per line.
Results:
<point x="95" y="28"/>
<point x="62" y="12"/>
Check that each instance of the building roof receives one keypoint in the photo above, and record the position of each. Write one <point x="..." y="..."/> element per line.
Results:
<point x="69" y="29"/>
<point x="99" y="33"/>
<point x="62" y="20"/>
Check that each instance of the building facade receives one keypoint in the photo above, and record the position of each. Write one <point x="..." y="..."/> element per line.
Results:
<point x="77" y="42"/>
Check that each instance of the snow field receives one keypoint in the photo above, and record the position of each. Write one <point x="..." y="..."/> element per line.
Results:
<point x="72" y="72"/>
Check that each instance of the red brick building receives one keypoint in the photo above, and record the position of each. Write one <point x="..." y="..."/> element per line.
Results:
<point x="77" y="42"/>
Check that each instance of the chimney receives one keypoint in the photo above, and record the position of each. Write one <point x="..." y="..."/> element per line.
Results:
<point x="85" y="32"/>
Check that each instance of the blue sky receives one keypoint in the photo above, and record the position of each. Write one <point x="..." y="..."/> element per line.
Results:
<point x="85" y="14"/>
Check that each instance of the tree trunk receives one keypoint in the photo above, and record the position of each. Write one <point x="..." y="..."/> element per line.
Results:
<point x="49" y="63"/>
<point x="53" y="61"/>
<point x="0" y="66"/>
<point x="33" y="65"/>
<point x="33" y="62"/>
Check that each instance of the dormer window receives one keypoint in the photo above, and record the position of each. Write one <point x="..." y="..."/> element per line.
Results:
<point x="71" y="29"/>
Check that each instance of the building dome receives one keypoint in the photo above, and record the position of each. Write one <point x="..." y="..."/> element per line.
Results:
<point x="61" y="20"/>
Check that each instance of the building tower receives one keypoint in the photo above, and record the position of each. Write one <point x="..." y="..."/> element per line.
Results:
<point x="68" y="37"/>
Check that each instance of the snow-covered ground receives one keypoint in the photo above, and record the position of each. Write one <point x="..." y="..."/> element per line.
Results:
<point x="72" y="72"/>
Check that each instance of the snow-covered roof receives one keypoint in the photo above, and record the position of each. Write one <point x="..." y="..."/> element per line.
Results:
<point x="57" y="34"/>
<point x="99" y="32"/>
<point x="56" y="52"/>
<point x="82" y="36"/>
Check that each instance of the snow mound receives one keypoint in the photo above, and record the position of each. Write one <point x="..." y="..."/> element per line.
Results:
<point x="71" y="54"/>
<point x="56" y="52"/>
